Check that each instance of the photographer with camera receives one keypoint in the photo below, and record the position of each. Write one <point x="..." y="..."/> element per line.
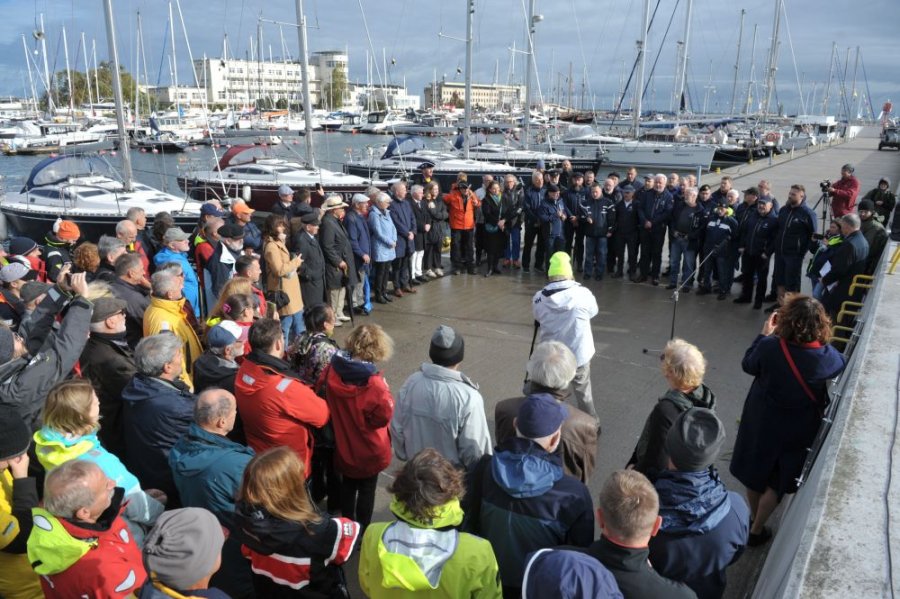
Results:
<point x="843" y="192"/>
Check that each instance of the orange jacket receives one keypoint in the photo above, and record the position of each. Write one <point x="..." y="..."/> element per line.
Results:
<point x="277" y="409"/>
<point x="462" y="214"/>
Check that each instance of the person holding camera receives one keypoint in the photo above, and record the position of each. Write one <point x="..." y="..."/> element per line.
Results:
<point x="843" y="192"/>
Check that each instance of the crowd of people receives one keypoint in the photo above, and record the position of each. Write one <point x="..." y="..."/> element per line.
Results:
<point x="159" y="386"/>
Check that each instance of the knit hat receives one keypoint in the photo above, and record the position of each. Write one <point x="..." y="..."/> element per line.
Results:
<point x="866" y="205"/>
<point x="13" y="272"/>
<point x="560" y="266"/>
<point x="540" y="415"/>
<point x="183" y="546"/>
<point x="15" y="436"/>
<point x="66" y="230"/>
<point x="104" y="307"/>
<point x="849" y="168"/>
<point x="7" y="346"/>
<point x="629" y="188"/>
<point x="32" y="290"/>
<point x="447" y="347"/>
<point x="694" y="441"/>
<point x="224" y="334"/>
<point x="19" y="246"/>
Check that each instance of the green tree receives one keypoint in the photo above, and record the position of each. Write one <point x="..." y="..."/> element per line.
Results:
<point x="333" y="91"/>
<point x="102" y="79"/>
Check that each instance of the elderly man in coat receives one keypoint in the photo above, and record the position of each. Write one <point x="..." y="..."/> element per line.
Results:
<point x="339" y="271"/>
<point x="405" y="222"/>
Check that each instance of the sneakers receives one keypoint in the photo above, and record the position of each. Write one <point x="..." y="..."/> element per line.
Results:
<point x="343" y="318"/>
<point x="439" y="272"/>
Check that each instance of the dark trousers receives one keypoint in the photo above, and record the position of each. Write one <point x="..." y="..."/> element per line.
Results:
<point x="324" y="479"/>
<point x="382" y="270"/>
<point x="432" y="257"/>
<point x="480" y="241"/>
<point x="358" y="498"/>
<point x="461" y="248"/>
<point x="574" y="240"/>
<point x="652" y="241"/>
<point x="533" y="232"/>
<point x="401" y="272"/>
<point x="754" y="266"/>
<point x="494" y="244"/>
<point x="621" y="242"/>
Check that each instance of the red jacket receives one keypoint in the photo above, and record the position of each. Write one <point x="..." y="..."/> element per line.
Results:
<point x="843" y="198"/>
<point x="462" y="215"/>
<point x="112" y="566"/>
<point x="276" y="407"/>
<point x="361" y="409"/>
<point x="138" y="248"/>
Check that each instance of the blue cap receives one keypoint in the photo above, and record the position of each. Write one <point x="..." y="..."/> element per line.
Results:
<point x="540" y="416"/>
<point x="285" y="190"/>
<point x="211" y="210"/>
<point x="224" y="334"/>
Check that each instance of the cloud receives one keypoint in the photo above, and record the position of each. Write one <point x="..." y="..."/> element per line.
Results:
<point x="598" y="39"/>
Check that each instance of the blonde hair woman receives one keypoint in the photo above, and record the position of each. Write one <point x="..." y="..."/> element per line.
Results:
<point x="235" y="286"/>
<point x="71" y="420"/>
<point x="683" y="366"/>
<point x="294" y="550"/>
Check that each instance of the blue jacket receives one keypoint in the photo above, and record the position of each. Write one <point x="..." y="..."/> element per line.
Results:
<point x="796" y="225"/>
<point x="720" y="230"/>
<point x="252" y="235"/>
<point x="358" y="230"/>
<point x="156" y="414"/>
<point x="704" y="530"/>
<point x="603" y="214"/>
<point x="532" y="198"/>
<point x="191" y="283"/>
<point x="567" y="574"/>
<point x="207" y="469"/>
<point x="405" y="221"/>
<point x="655" y="207"/>
<point x="383" y="235"/>
<point x="521" y="501"/>
<point x="548" y="213"/>
<point x="758" y="235"/>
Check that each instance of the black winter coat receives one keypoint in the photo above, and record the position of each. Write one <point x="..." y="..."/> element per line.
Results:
<point x="312" y="271"/>
<point x="109" y="364"/>
<point x="418" y="209"/>
<point x="336" y="248"/>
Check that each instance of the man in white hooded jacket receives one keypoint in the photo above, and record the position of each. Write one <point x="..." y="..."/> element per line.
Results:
<point x="564" y="309"/>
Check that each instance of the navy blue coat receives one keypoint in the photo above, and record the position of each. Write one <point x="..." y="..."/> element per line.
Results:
<point x="405" y="221"/>
<point x="567" y="574"/>
<point x="796" y="225"/>
<point x="758" y="235"/>
<point x="780" y="421"/>
<point x="848" y="260"/>
<point x="704" y="530"/>
<point x="655" y="207"/>
<point x="358" y="230"/>
<point x="532" y="198"/>
<point x="155" y="415"/>
<point x="602" y="213"/>
<point x="520" y="500"/>
<point x="720" y="230"/>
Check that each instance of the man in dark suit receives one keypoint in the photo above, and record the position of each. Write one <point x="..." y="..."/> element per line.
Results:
<point x="312" y="271"/>
<point x="338" y="252"/>
<point x="849" y="260"/>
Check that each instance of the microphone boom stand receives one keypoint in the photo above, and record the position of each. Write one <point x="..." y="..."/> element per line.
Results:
<point x="696" y="275"/>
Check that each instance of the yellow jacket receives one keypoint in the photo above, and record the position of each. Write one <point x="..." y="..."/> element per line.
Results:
<point x="169" y="315"/>
<point x="17" y="579"/>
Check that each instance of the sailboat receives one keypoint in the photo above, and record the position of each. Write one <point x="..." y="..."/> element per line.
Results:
<point x="86" y="189"/>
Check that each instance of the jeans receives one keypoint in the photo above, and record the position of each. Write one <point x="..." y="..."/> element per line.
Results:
<point x="292" y="326"/>
<point x="682" y="257"/>
<point x="595" y="251"/>
<point x="513" y="243"/>
<point x="818" y="290"/>
<point x="788" y="272"/>
<point x="358" y="498"/>
<point x="725" y="269"/>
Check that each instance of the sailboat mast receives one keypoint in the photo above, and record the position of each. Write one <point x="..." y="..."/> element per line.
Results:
<point x="737" y="62"/>
<point x="117" y="94"/>
<point x="751" y="78"/>
<point x="304" y="74"/>
<point x="50" y="103"/>
<point x="827" y="94"/>
<point x="642" y="63"/>
<point x="773" y="60"/>
<point x="87" y="74"/>
<point x="68" y="72"/>
<point x="174" y="63"/>
<point x="30" y="76"/>
<point x="470" y="105"/>
<point x="529" y="66"/>
<point x="682" y="71"/>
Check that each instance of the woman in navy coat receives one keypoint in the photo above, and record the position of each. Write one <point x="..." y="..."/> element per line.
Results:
<point x="782" y="415"/>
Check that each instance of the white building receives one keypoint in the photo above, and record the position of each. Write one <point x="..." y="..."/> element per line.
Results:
<point x="239" y="83"/>
<point x="483" y="95"/>
<point x="387" y="96"/>
<point x="169" y="95"/>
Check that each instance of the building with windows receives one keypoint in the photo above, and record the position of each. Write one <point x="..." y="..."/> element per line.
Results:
<point x="504" y="97"/>
<point x="169" y="95"/>
<point x="240" y="83"/>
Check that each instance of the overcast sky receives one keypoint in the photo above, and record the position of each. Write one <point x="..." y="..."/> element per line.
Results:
<point x="597" y="37"/>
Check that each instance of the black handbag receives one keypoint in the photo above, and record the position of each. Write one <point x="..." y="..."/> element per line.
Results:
<point x="278" y="296"/>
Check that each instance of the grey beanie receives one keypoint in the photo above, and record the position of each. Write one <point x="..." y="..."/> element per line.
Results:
<point x="447" y="347"/>
<point x="7" y="345"/>
<point x="183" y="547"/>
<point x="694" y="441"/>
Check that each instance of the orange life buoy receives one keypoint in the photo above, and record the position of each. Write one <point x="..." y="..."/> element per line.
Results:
<point x="771" y="137"/>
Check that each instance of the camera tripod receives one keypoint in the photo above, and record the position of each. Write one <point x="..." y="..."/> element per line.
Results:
<point x="823" y="199"/>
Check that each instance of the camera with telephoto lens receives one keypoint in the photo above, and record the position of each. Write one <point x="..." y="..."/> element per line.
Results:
<point x="825" y="185"/>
